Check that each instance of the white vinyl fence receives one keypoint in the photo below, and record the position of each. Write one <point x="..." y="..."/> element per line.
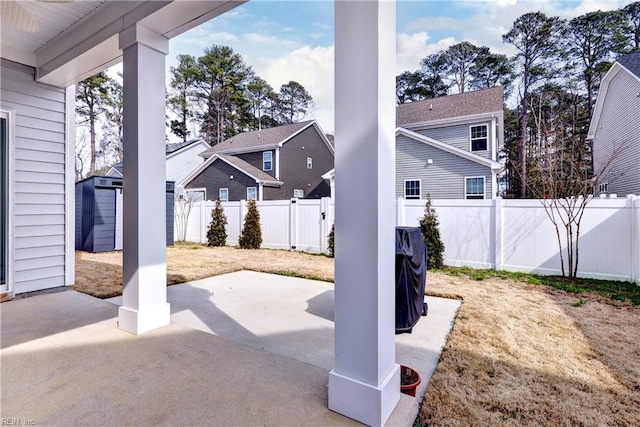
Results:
<point x="514" y="235"/>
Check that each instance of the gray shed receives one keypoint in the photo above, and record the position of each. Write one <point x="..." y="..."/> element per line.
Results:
<point x="99" y="214"/>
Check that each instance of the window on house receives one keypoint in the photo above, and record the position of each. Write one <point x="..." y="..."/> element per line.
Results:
<point x="479" y="138"/>
<point x="309" y="163"/>
<point x="604" y="187"/>
<point x="223" y="194"/>
<point x="267" y="161"/>
<point x="412" y="189"/>
<point x="298" y="194"/>
<point x="474" y="187"/>
<point x="252" y="193"/>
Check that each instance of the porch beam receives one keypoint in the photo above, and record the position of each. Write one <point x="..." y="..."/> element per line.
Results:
<point x="144" y="297"/>
<point x="365" y="382"/>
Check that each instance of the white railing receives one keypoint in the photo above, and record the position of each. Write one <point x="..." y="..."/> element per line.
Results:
<point x="514" y="235"/>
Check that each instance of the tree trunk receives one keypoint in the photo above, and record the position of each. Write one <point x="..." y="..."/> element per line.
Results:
<point x="92" y="134"/>
<point x="523" y="147"/>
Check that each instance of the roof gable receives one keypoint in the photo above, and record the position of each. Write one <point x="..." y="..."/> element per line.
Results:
<point x="237" y="163"/>
<point x="474" y="103"/>
<point x="628" y="64"/>
<point x="178" y="146"/>
<point x="258" y="140"/>
<point x="494" y="166"/>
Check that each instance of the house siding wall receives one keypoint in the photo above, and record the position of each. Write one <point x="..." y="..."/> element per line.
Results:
<point x="460" y="136"/>
<point x="619" y="129"/>
<point x="444" y="178"/>
<point x="182" y="163"/>
<point x="293" y="166"/>
<point x="38" y="176"/>
<point x="255" y="159"/>
<point x="216" y="176"/>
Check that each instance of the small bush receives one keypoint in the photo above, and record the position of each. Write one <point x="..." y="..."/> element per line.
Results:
<point x="331" y="242"/>
<point x="217" y="233"/>
<point x="251" y="237"/>
<point x="431" y="235"/>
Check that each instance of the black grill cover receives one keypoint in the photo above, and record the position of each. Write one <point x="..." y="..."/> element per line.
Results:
<point x="411" y="275"/>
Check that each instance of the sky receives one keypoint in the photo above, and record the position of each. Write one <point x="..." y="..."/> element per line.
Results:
<point x="293" y="40"/>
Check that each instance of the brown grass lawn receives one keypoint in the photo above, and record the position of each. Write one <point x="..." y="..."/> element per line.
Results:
<point x="518" y="354"/>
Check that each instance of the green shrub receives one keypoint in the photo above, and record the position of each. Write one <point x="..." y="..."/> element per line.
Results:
<point x="251" y="237"/>
<point x="217" y="233"/>
<point x="431" y="235"/>
<point x="331" y="242"/>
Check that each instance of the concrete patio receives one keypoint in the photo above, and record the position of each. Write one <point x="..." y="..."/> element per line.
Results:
<point x="243" y="348"/>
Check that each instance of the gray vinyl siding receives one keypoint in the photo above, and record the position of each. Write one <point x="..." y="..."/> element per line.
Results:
<point x="619" y="130"/>
<point x="293" y="166"/>
<point x="460" y="136"/>
<point x="38" y="177"/>
<point x="444" y="178"/>
<point x="255" y="159"/>
<point x="216" y="176"/>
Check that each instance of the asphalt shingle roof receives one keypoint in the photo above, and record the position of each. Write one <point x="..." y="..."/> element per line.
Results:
<point x="631" y="62"/>
<point x="446" y="107"/>
<point x="248" y="168"/>
<point x="256" y="139"/>
<point x="172" y="148"/>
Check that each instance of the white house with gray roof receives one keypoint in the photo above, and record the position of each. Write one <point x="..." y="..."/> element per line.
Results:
<point x="615" y="128"/>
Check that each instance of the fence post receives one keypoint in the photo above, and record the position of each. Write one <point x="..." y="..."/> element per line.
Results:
<point x="202" y="221"/>
<point x="635" y="240"/>
<point x="497" y="208"/>
<point x="325" y="224"/>
<point x="400" y="211"/>
<point x="293" y="224"/>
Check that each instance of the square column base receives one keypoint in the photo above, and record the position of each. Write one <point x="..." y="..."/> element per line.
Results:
<point x="363" y="402"/>
<point x="144" y="320"/>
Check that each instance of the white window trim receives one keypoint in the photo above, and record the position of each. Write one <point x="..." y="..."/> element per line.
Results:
<point x="220" y="194"/>
<point x="255" y="189"/>
<point x="471" y="139"/>
<point x="404" y="189"/>
<point x="10" y="116"/>
<point x="484" y="187"/>
<point x="264" y="153"/>
<point x="298" y="197"/>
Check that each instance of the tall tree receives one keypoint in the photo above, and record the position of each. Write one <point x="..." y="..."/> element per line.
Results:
<point x="181" y="93"/>
<point x="433" y="67"/>
<point x="536" y="39"/>
<point x="295" y="102"/>
<point x="490" y="70"/>
<point x="222" y="82"/>
<point x="460" y="58"/>
<point x="111" y="145"/>
<point x="632" y="28"/>
<point x="591" y="41"/>
<point x="259" y="96"/>
<point x="91" y="99"/>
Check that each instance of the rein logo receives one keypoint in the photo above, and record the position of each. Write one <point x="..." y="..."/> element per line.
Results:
<point x="17" y="422"/>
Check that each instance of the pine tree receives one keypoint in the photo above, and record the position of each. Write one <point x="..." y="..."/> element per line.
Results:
<point x="251" y="237"/>
<point x="431" y="235"/>
<point x="217" y="234"/>
<point x="331" y="243"/>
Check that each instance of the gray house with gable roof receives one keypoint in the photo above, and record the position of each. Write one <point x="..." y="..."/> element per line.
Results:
<point x="278" y="163"/>
<point x="615" y="128"/>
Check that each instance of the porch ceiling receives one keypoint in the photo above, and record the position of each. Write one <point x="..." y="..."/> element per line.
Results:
<point x="77" y="39"/>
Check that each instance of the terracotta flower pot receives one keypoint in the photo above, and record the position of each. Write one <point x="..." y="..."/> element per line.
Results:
<point x="409" y="380"/>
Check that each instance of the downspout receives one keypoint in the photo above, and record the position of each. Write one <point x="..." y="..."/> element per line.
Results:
<point x="277" y="163"/>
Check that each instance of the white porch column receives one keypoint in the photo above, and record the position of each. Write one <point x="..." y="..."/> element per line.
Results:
<point x="365" y="382"/>
<point x="144" y="297"/>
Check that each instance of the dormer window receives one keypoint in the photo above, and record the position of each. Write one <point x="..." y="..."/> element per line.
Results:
<point x="267" y="161"/>
<point x="479" y="138"/>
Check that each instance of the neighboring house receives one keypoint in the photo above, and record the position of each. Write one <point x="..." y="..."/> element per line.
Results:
<point x="448" y="147"/>
<point x="182" y="158"/>
<point x="615" y="128"/>
<point x="278" y="163"/>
